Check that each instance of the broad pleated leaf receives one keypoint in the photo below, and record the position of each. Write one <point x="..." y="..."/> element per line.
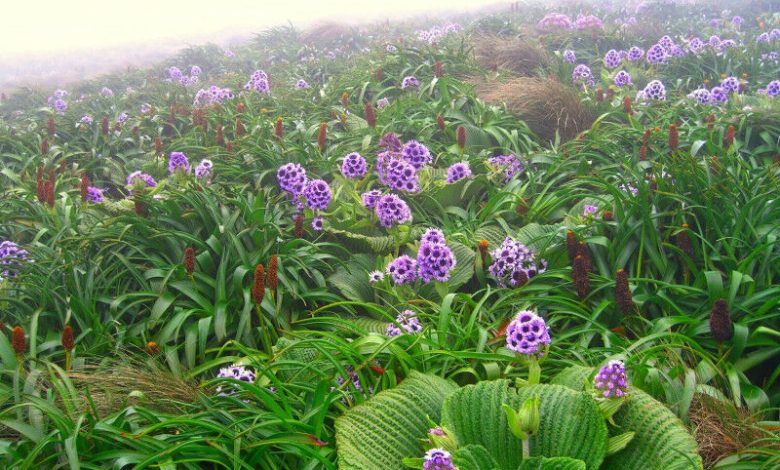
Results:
<point x="380" y="433"/>
<point x="570" y="424"/>
<point x="574" y="377"/>
<point x="473" y="457"/>
<point x="661" y="440"/>
<point x="553" y="463"/>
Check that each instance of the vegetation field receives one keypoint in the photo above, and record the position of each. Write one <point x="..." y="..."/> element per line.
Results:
<point x="539" y="237"/>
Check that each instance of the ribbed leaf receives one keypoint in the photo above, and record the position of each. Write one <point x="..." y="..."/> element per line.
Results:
<point x="473" y="457"/>
<point x="378" y="434"/>
<point x="553" y="463"/>
<point x="465" y="267"/>
<point x="661" y="440"/>
<point x="574" y="377"/>
<point x="537" y="237"/>
<point x="570" y="423"/>
<point x="352" y="279"/>
<point x="495" y="235"/>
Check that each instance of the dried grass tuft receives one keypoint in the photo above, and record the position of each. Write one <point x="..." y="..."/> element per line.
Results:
<point x="545" y="105"/>
<point x="722" y="429"/>
<point x="325" y="33"/>
<point x="519" y="56"/>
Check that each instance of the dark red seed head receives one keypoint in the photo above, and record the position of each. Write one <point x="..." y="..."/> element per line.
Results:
<point x="104" y="125"/>
<point x="627" y="105"/>
<point x="45" y="146"/>
<point x="48" y="190"/>
<point x="84" y="186"/>
<point x="571" y="245"/>
<point x="461" y="137"/>
<point x="239" y="127"/>
<point x="273" y="273"/>
<point x="158" y="145"/>
<point x="380" y="75"/>
<point x="18" y="341"/>
<point x="298" y="230"/>
<point x="674" y="137"/>
<point x="322" y="136"/>
<point x="599" y="95"/>
<point x="220" y="136"/>
<point x="437" y="69"/>
<point x="189" y="260"/>
<point x="440" y="122"/>
<point x="370" y="115"/>
<point x="729" y="140"/>
<point x="67" y="338"/>
<point x="623" y="292"/>
<point x="279" y="128"/>
<point x="721" y="327"/>
<point x="51" y="127"/>
<point x="580" y="276"/>
<point x="258" y="285"/>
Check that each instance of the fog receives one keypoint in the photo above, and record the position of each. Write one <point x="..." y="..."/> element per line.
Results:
<point x="51" y="42"/>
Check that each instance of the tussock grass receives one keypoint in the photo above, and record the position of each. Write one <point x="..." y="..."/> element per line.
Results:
<point x="519" y="56"/>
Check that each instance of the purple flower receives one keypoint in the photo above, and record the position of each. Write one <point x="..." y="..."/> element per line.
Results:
<point x="588" y="22"/>
<point x="174" y="73"/>
<point x="370" y="198"/>
<point x="11" y="259"/>
<point x="635" y="53"/>
<point x="291" y="177"/>
<point x="86" y="119"/>
<point x="145" y="108"/>
<point x="611" y="380"/>
<point x="553" y="21"/>
<point x="737" y="21"/>
<point x="235" y="372"/>
<point x="317" y="194"/>
<point x="438" y="459"/>
<point x="701" y="95"/>
<point x="718" y="95"/>
<point x="258" y="81"/>
<point x="354" y="166"/>
<point x="730" y="84"/>
<point x="402" y="270"/>
<point x="140" y="180"/>
<point x="612" y="59"/>
<point x="622" y="78"/>
<point x="409" y="82"/>
<point x="458" y="171"/>
<point x="106" y="92"/>
<point x="212" y="95"/>
<point x="569" y="56"/>
<point x="714" y="23"/>
<point x="655" y="90"/>
<point x="514" y="262"/>
<point x="629" y="188"/>
<point x="763" y="37"/>
<point x="301" y="84"/>
<point x="58" y="93"/>
<point x="375" y="276"/>
<point x="714" y="41"/>
<point x="94" y="195"/>
<point x="122" y="118"/>
<point x="408" y="322"/>
<point x="527" y="333"/>
<point x="204" y="169"/>
<point x="390" y="142"/>
<point x="773" y="89"/>
<point x="509" y="165"/>
<point x="318" y="223"/>
<point x="382" y="102"/>
<point x="589" y="209"/>
<point x="656" y="55"/>
<point x="433" y="235"/>
<point x="178" y="160"/>
<point x="398" y="174"/>
<point x="696" y="45"/>
<point x="582" y="75"/>
<point x="195" y="70"/>
<point x="60" y="105"/>
<point x="417" y="154"/>
<point x="391" y="210"/>
<point x="435" y="261"/>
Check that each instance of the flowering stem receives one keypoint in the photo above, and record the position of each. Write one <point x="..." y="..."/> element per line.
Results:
<point x="266" y="338"/>
<point x="67" y="361"/>
<point x="534" y="370"/>
<point x="526" y="447"/>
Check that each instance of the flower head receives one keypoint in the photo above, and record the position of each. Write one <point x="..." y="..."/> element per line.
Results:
<point x="392" y="210"/>
<point x="409" y="82"/>
<point x="435" y="261"/>
<point x="611" y="380"/>
<point x="402" y="270"/>
<point x="204" y="170"/>
<point x="354" y="166"/>
<point x="569" y="56"/>
<point x="458" y="171"/>
<point x="375" y="276"/>
<point x="407" y="323"/>
<point x="417" y="154"/>
<point x="513" y="261"/>
<point x="94" y="195"/>
<point x="527" y="333"/>
<point x="178" y="160"/>
<point x="291" y="177"/>
<point x="12" y="256"/>
<point x="509" y="165"/>
<point x="438" y="459"/>
<point x="582" y="75"/>
<point x="622" y="78"/>
<point x="139" y="180"/>
<point x="370" y="198"/>
<point x="318" y="223"/>
<point x="301" y="84"/>
<point x="236" y="372"/>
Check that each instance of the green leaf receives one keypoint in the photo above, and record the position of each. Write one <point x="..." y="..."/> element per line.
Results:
<point x="574" y="377"/>
<point x="473" y="457"/>
<point x="617" y="443"/>
<point x="554" y="463"/>
<point x="380" y="433"/>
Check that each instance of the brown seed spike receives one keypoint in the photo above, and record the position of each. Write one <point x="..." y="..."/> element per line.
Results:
<point x="571" y="245"/>
<point x="674" y="137"/>
<point x="623" y="292"/>
<point x="582" y="250"/>
<point x="729" y="140"/>
<point x="370" y="115"/>
<point x="298" y="230"/>
<point x="721" y="327"/>
<point x="483" y="246"/>
<point x="48" y="191"/>
<point x="580" y="277"/>
<point x="440" y="122"/>
<point x="258" y="285"/>
<point x="461" y="137"/>
<point x="279" y="128"/>
<point x="437" y="69"/>
<point x="322" y="136"/>
<point x="68" y="341"/>
<point x="683" y="240"/>
<point x="18" y="341"/>
<point x="627" y="105"/>
<point x="189" y="260"/>
<point x="273" y="273"/>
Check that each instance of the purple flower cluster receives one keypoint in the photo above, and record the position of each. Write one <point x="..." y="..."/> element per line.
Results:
<point x="417" y="154"/>
<point x="317" y="194"/>
<point x="354" y="379"/>
<point x="773" y="89"/>
<point x="436" y="33"/>
<point x="527" y="333"/>
<point x="375" y="276"/>
<point x="629" y="188"/>
<point x="434" y="259"/>
<point x="175" y="75"/>
<point x="438" y="459"/>
<point x="212" y="95"/>
<point x="291" y="177"/>
<point x="397" y="173"/>
<point x="94" y="195"/>
<point x="204" y="170"/>
<point x="370" y="198"/>
<point x="458" y="171"/>
<point x="622" y="78"/>
<point x="656" y="55"/>
<point x="611" y="380"/>
<point x="410" y="82"/>
<point x="11" y="258"/>
<point x="730" y="84"/>
<point x="612" y="59"/>
<point x="407" y="323"/>
<point x="234" y="372"/>
<point x="382" y="102"/>
<point x="508" y="165"/>
<point x="139" y="180"/>
<point x="589" y="210"/>
<point x="258" y="81"/>
<point x="354" y="166"/>
<point x="301" y="84"/>
<point x="402" y="270"/>
<point x="635" y="53"/>
<point x="106" y="92"/>
<point x="390" y="142"/>
<point x="57" y="100"/>
<point x="513" y="262"/>
<point x="569" y="56"/>
<point x="318" y="223"/>
<point x="86" y="120"/>
<point x="178" y="160"/>
<point x="553" y="21"/>
<point x="653" y="91"/>
<point x="584" y="22"/>
<point x="391" y="210"/>
<point x="582" y="75"/>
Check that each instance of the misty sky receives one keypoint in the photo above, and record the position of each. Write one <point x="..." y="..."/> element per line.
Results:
<point x="32" y="27"/>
